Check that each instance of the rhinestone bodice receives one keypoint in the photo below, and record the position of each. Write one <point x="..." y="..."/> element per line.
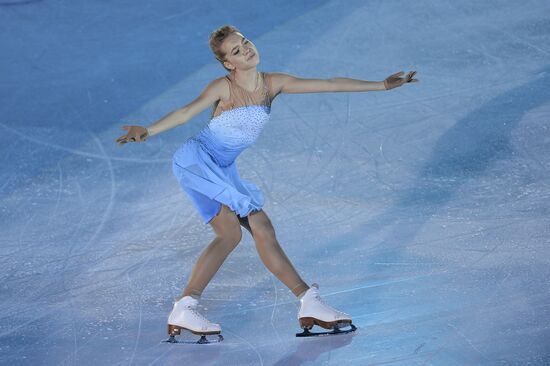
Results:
<point x="231" y="132"/>
<point x="237" y="122"/>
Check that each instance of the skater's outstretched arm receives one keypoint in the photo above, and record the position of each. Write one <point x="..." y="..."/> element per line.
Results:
<point x="212" y="93"/>
<point x="285" y="83"/>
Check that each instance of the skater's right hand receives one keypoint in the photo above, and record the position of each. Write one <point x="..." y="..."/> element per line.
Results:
<point x="135" y="134"/>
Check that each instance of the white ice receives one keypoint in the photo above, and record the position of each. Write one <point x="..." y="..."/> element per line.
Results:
<point x="422" y="211"/>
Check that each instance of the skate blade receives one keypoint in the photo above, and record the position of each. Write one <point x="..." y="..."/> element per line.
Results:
<point x="203" y="340"/>
<point x="337" y="329"/>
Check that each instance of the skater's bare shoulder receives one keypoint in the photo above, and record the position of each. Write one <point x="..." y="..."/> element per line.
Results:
<point x="221" y="87"/>
<point x="216" y="90"/>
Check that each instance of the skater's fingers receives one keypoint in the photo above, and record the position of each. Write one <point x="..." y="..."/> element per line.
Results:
<point x="123" y="137"/>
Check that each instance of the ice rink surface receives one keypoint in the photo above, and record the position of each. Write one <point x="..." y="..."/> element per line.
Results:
<point x="424" y="211"/>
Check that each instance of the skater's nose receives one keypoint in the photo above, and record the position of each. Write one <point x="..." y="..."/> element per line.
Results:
<point x="247" y="50"/>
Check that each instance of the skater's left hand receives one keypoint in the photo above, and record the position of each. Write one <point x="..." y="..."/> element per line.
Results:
<point x="393" y="81"/>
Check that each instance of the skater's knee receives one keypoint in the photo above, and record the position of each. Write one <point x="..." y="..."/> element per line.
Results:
<point x="227" y="226"/>
<point x="262" y="228"/>
<point x="231" y="237"/>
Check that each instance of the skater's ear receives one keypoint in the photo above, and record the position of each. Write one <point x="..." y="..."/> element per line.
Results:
<point x="228" y="65"/>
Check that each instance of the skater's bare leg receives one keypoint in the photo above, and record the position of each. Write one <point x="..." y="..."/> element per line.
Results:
<point x="228" y="235"/>
<point x="271" y="253"/>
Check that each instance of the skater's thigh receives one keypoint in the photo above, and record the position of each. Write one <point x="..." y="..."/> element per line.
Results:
<point x="226" y="224"/>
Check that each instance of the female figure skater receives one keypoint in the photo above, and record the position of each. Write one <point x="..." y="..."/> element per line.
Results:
<point x="205" y="168"/>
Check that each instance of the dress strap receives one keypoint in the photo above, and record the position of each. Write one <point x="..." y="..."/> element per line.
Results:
<point x="265" y="81"/>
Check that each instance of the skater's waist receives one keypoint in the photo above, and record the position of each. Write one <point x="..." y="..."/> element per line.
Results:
<point x="221" y="156"/>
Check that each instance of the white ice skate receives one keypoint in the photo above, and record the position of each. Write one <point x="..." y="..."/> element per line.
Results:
<point x="184" y="315"/>
<point x="314" y="311"/>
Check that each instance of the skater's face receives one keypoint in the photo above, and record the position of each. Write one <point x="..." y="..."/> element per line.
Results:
<point x="240" y="53"/>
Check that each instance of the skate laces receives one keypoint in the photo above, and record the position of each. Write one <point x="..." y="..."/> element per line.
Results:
<point x="198" y="315"/>
<point x="317" y="296"/>
<point x="191" y="306"/>
<point x="193" y="309"/>
<point x="320" y="299"/>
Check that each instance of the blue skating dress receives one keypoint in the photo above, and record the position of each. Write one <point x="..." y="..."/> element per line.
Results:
<point x="205" y="164"/>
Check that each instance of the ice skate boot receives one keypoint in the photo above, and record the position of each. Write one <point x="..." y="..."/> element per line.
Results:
<point x="185" y="316"/>
<point x="314" y="311"/>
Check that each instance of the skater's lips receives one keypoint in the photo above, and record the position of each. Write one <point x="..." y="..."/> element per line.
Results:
<point x="250" y="57"/>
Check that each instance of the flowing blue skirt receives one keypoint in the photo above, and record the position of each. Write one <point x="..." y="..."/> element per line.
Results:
<point x="208" y="185"/>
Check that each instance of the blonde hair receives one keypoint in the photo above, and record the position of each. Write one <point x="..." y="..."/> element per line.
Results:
<point x="216" y="39"/>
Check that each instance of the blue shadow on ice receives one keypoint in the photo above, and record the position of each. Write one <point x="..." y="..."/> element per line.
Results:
<point x="464" y="152"/>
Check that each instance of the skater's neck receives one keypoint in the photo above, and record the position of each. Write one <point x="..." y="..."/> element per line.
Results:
<point x="247" y="79"/>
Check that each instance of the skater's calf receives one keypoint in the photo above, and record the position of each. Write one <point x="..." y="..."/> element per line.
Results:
<point x="272" y="255"/>
<point x="228" y="235"/>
